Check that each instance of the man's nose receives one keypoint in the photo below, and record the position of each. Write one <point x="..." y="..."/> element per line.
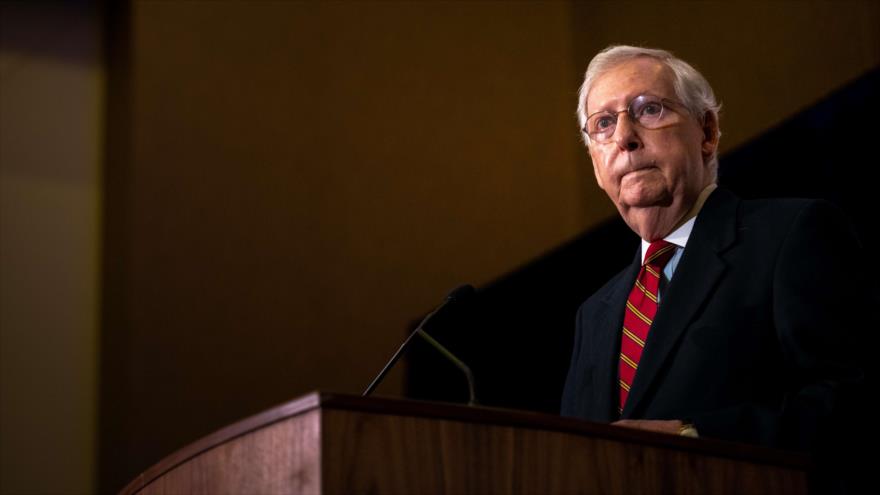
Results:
<point x="625" y="134"/>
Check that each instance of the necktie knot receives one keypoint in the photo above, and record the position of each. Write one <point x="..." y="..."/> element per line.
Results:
<point x="659" y="253"/>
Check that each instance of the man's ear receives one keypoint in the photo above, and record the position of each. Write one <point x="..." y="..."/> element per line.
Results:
<point x="711" y="136"/>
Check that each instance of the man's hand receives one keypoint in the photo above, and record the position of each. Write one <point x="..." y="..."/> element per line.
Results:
<point x="672" y="426"/>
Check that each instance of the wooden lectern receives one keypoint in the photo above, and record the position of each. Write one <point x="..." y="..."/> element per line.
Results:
<point x="327" y="443"/>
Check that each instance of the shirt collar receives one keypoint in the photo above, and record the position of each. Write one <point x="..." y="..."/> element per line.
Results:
<point x="680" y="236"/>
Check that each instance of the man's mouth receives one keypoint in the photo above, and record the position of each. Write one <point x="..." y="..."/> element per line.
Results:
<point x="636" y="169"/>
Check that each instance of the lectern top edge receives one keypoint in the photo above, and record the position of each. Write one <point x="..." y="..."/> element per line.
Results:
<point x="470" y="414"/>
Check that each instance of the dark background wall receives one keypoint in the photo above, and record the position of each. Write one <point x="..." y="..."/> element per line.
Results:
<point x="287" y="186"/>
<point x="304" y="179"/>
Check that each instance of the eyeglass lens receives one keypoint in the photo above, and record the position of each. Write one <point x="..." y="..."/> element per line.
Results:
<point x="644" y="109"/>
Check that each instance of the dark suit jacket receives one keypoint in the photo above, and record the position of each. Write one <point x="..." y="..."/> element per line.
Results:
<point x="759" y="335"/>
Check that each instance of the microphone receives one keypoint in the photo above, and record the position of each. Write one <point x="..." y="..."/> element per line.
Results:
<point x="460" y="293"/>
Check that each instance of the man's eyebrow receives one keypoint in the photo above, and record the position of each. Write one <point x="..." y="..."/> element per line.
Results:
<point x="605" y="108"/>
<point x="601" y="108"/>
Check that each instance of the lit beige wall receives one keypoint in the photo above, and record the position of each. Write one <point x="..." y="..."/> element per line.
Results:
<point x="50" y="143"/>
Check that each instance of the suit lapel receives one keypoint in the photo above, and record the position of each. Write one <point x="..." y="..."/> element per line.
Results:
<point x="608" y="323"/>
<point x="692" y="284"/>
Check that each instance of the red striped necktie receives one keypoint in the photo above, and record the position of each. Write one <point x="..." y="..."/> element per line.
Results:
<point x="641" y="306"/>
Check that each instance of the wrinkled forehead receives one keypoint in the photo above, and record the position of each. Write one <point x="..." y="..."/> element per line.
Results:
<point x="621" y="83"/>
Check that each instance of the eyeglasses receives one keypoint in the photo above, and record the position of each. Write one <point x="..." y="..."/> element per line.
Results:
<point x="648" y="111"/>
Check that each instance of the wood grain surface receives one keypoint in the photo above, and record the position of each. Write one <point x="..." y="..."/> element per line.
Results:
<point x="325" y="443"/>
<point x="370" y="453"/>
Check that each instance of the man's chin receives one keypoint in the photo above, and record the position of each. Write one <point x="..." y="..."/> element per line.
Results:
<point x="645" y="199"/>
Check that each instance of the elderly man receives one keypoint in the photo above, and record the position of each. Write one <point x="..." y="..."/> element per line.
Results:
<point x="738" y="320"/>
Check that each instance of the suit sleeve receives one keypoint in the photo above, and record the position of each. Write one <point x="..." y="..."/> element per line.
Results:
<point x="822" y="312"/>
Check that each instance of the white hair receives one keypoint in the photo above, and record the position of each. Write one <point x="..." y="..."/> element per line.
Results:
<point x="691" y="88"/>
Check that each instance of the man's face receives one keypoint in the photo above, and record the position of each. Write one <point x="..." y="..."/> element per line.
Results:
<point x="641" y="168"/>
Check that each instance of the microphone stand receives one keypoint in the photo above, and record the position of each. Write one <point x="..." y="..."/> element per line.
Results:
<point x="456" y="294"/>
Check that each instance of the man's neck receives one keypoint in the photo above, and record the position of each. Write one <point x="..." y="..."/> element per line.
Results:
<point x="656" y="222"/>
<point x="698" y="205"/>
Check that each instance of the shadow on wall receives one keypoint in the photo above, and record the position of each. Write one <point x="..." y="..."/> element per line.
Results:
<point x="516" y="334"/>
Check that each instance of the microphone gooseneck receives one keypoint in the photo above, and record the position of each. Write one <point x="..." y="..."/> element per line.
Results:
<point x="460" y="293"/>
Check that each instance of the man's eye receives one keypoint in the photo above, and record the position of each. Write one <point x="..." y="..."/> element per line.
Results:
<point x="650" y="109"/>
<point x="604" y="122"/>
